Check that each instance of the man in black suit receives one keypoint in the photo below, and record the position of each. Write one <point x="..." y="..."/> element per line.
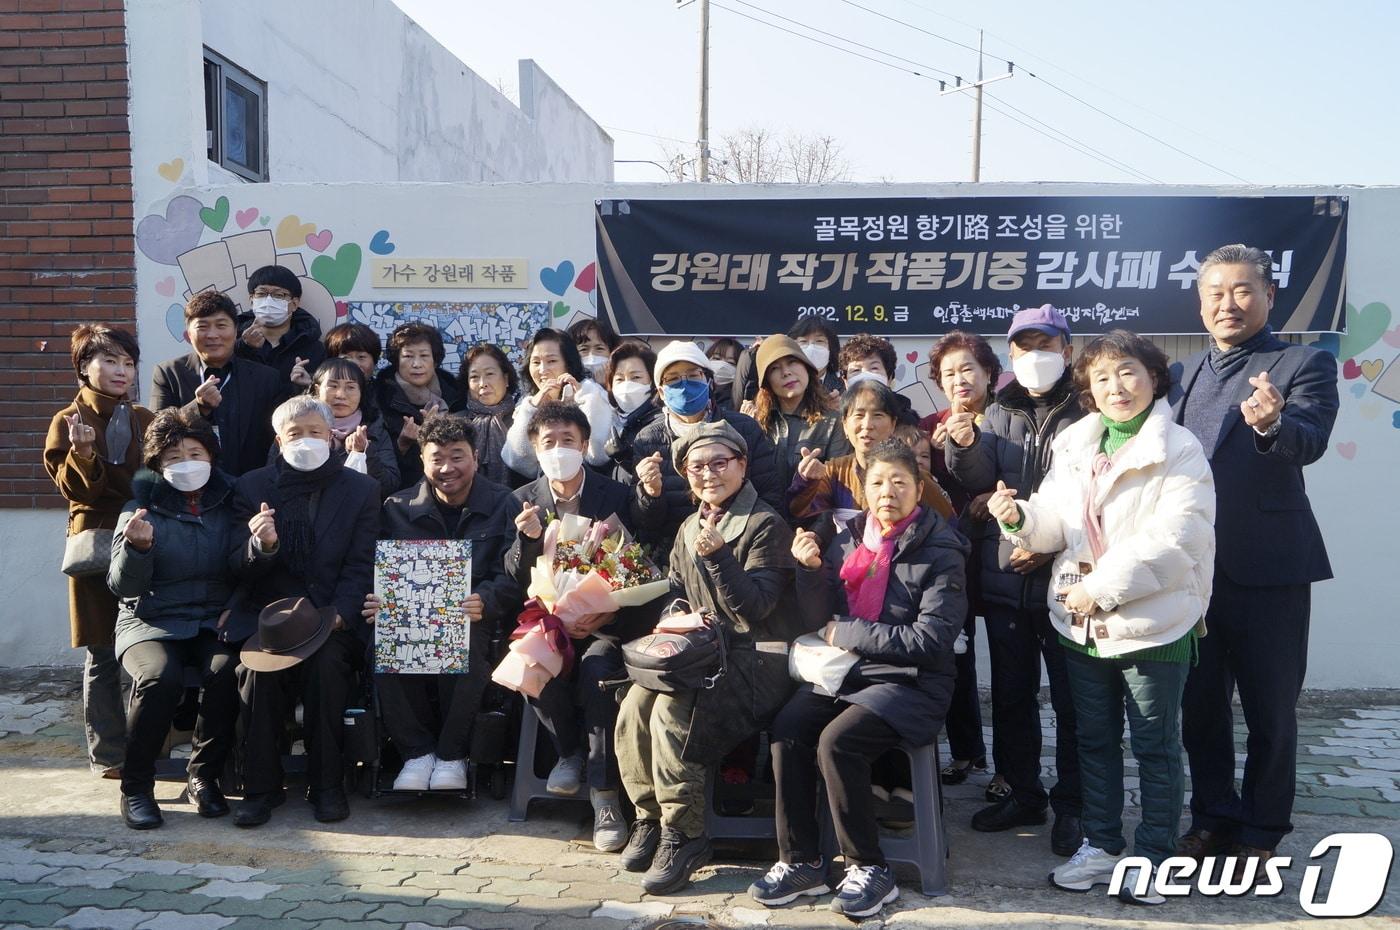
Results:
<point x="1262" y="409"/>
<point x="236" y="395"/>
<point x="305" y="527"/>
<point x="578" y="714"/>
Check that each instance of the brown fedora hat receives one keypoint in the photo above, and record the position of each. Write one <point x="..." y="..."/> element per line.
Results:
<point x="289" y="630"/>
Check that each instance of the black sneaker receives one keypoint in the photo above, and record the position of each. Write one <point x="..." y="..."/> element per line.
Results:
<point x="865" y="890"/>
<point x="788" y="881"/>
<point x="677" y="856"/>
<point x="641" y="845"/>
<point x="1007" y="814"/>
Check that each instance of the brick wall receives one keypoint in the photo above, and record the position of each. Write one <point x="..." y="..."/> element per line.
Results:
<point x="66" y="243"/>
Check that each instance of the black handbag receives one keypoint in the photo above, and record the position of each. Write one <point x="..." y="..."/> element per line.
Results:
<point x="672" y="662"/>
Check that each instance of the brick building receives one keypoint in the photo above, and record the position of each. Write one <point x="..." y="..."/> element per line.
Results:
<point x="66" y="247"/>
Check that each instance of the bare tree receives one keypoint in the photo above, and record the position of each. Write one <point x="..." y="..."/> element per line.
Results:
<point x="748" y="156"/>
<point x="756" y="155"/>
<point x="813" y="159"/>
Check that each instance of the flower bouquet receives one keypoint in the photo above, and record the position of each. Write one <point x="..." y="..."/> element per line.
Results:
<point x="589" y="569"/>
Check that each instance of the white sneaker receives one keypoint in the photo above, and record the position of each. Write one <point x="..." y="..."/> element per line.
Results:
<point x="1128" y="893"/>
<point x="566" y="778"/>
<point x="448" y="775"/>
<point x="1088" y="867"/>
<point x="416" y="774"/>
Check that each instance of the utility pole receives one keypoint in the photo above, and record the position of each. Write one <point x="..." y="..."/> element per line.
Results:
<point x="704" y="140"/>
<point x="977" y="104"/>
<point x="977" y="117"/>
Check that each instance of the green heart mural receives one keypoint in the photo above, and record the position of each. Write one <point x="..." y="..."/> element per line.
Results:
<point x="560" y="309"/>
<point x="338" y="274"/>
<point x="1364" y="327"/>
<point x="215" y="217"/>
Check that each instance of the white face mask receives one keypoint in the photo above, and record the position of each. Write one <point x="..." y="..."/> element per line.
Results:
<point x="630" y="395"/>
<point x="858" y="376"/>
<point x="186" y="476"/>
<point x="724" y="372"/>
<point x="306" y="454"/>
<point x="817" y="355"/>
<point x="1039" y="370"/>
<point x="560" y="464"/>
<point x="271" y="311"/>
<point x="595" y="365"/>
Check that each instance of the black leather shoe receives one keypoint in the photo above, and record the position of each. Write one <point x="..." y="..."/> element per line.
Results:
<point x="329" y="804"/>
<point x="1007" y="814"/>
<point x="208" y="800"/>
<point x="256" y="809"/>
<point x="141" y="812"/>
<point x="1198" y="844"/>
<point x="1066" y="835"/>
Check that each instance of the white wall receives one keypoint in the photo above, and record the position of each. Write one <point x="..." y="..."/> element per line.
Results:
<point x="356" y="92"/>
<point x="33" y="592"/>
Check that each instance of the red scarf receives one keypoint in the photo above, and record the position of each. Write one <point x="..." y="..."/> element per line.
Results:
<point x="866" y="571"/>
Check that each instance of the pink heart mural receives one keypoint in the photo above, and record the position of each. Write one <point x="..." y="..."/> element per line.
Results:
<point x="587" y="278"/>
<point x="166" y="288"/>
<point x="1346" y="450"/>
<point x="319" y="241"/>
<point x="246" y="217"/>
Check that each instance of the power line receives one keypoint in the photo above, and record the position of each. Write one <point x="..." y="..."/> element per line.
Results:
<point x="943" y="38"/>
<point x="819" y="41"/>
<point x="1135" y="129"/>
<point x="1046" y="82"/>
<point x="1073" y="143"/>
<point x="649" y="135"/>
<point x="842" y="38"/>
<point x="1122" y="165"/>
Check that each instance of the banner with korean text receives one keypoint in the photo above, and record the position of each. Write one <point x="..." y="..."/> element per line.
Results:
<point x="920" y="267"/>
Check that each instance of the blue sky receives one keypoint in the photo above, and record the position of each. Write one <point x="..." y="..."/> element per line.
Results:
<point x="1271" y="93"/>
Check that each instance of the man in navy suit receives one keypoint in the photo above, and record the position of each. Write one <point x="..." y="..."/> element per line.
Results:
<point x="1262" y="409"/>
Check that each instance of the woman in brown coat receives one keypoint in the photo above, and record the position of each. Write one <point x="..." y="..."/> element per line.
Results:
<point x="92" y="451"/>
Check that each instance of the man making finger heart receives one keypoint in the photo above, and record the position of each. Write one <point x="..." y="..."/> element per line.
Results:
<point x="1262" y="409"/>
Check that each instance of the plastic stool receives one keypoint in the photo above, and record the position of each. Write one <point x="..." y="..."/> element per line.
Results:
<point x="927" y="847"/>
<point x="530" y="786"/>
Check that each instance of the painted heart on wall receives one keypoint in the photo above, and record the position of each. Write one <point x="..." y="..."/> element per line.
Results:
<point x="338" y="274"/>
<point x="1364" y="327"/>
<point x="245" y="218"/>
<point x="171" y="170"/>
<point x="163" y="238"/>
<point x="556" y="280"/>
<point x="215" y="217"/>
<point x="1346" y="450"/>
<point x="319" y="241"/>
<point x="587" y="278"/>
<point x="380" y="244"/>
<point x="292" y="232"/>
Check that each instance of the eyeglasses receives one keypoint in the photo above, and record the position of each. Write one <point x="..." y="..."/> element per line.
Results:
<point x="714" y="466"/>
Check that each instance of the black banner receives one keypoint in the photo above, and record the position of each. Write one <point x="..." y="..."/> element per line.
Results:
<point x="923" y="266"/>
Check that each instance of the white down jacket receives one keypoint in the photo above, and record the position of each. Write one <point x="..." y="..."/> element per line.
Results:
<point x="1158" y="516"/>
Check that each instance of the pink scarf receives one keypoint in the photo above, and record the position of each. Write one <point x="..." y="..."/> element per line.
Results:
<point x="1093" y="518"/>
<point x="344" y="426"/>
<point x="866" y="571"/>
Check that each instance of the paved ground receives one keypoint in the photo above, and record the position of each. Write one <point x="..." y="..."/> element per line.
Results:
<point x="67" y="861"/>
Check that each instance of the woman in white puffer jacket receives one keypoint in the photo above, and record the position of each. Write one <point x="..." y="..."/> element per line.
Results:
<point x="1129" y="505"/>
